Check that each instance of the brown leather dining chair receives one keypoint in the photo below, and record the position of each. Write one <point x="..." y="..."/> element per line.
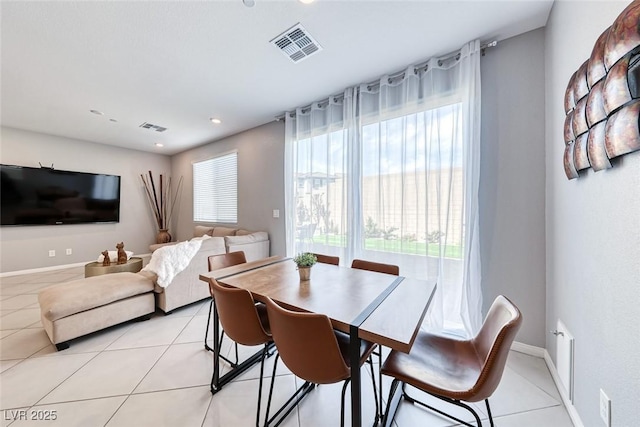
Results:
<point x="244" y="321"/>
<point x="375" y="266"/>
<point x="456" y="370"/>
<point x="217" y="262"/>
<point x="328" y="259"/>
<point x="314" y="352"/>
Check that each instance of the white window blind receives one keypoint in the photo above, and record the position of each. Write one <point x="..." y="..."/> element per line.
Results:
<point x="215" y="189"/>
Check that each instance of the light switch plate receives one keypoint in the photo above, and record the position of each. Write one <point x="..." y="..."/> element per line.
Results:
<point x="276" y="213"/>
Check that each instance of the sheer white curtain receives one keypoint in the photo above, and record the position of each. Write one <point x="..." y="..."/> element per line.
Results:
<point x="404" y="155"/>
<point x="316" y="175"/>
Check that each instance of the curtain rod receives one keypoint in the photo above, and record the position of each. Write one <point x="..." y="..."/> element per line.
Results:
<point x="420" y="68"/>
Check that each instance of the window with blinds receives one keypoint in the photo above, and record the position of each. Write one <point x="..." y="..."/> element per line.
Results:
<point x="215" y="189"/>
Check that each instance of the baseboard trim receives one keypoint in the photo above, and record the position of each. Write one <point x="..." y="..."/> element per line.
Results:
<point x="571" y="410"/>
<point x="53" y="268"/>
<point x="531" y="350"/>
<point x="542" y="353"/>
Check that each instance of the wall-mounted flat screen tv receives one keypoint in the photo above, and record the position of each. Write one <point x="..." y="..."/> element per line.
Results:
<point x="45" y="196"/>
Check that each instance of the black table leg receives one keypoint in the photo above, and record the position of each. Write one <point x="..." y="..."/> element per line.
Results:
<point x="354" y="358"/>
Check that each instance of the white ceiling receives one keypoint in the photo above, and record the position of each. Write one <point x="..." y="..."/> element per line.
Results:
<point x="176" y="64"/>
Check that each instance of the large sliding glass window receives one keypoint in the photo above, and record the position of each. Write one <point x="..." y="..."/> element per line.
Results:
<point x="388" y="172"/>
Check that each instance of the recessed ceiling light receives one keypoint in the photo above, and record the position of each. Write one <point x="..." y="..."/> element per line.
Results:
<point x="99" y="113"/>
<point x="306" y="1"/>
<point x="159" y="144"/>
<point x="215" y="121"/>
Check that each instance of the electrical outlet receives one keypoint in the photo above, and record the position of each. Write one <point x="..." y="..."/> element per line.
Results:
<point x="69" y="251"/>
<point x="605" y="408"/>
<point x="52" y="253"/>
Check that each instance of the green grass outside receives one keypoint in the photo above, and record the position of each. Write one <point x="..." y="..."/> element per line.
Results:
<point x="397" y="246"/>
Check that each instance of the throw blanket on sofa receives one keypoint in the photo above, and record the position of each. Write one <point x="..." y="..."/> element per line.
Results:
<point x="167" y="261"/>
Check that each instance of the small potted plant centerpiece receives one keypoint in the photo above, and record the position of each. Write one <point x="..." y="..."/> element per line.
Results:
<point x="305" y="261"/>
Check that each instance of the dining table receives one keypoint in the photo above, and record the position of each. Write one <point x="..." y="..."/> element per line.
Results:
<point x="377" y="307"/>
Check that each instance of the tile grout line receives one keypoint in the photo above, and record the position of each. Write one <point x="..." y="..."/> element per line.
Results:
<point x="147" y="373"/>
<point x="537" y="386"/>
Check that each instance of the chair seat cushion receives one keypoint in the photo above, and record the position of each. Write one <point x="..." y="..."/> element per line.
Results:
<point x="73" y="297"/>
<point x="438" y="365"/>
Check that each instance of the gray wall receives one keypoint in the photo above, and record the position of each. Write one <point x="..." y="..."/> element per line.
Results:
<point x="512" y="179"/>
<point x="593" y="236"/>
<point x="27" y="247"/>
<point x="260" y="181"/>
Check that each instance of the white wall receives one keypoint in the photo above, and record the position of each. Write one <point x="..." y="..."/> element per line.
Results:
<point x="27" y="247"/>
<point x="593" y="236"/>
<point x="512" y="181"/>
<point x="260" y="181"/>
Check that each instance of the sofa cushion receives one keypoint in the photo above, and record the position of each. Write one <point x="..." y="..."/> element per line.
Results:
<point x="258" y="236"/>
<point x="69" y="298"/>
<point x="223" y="231"/>
<point x="243" y="232"/>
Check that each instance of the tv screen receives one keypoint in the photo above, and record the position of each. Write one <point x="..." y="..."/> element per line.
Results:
<point x="44" y="196"/>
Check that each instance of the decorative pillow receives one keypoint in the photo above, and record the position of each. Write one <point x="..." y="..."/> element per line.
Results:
<point x="201" y="230"/>
<point x="243" y="232"/>
<point x="113" y="256"/>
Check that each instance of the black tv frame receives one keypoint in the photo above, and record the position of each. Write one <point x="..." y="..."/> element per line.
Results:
<point x="56" y="197"/>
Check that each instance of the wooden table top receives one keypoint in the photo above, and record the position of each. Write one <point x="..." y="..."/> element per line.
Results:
<point x="341" y="293"/>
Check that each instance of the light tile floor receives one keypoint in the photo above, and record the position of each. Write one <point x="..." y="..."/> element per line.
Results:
<point x="157" y="373"/>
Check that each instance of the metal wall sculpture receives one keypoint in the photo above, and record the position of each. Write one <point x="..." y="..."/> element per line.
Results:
<point x="602" y="100"/>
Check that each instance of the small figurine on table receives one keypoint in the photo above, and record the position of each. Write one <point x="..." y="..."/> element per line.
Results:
<point x="122" y="255"/>
<point x="106" y="261"/>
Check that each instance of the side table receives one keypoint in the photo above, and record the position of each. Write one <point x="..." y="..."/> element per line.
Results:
<point x="95" y="268"/>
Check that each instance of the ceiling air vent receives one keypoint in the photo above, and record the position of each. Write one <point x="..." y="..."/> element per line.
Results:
<point x="157" y="128"/>
<point x="296" y="43"/>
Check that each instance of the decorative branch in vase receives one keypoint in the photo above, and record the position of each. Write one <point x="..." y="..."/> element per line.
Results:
<point x="162" y="200"/>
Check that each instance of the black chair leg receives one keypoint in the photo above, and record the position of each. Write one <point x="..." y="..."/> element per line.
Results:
<point x="264" y="353"/>
<point x="236" y="354"/>
<point x="206" y="337"/>
<point x="380" y="377"/>
<point x="448" y="400"/>
<point x="282" y="413"/>
<point x="273" y="380"/>
<point x="375" y="391"/>
<point x="206" y="331"/>
<point x="392" y="404"/>
<point x="486" y="401"/>
<point x="344" y="388"/>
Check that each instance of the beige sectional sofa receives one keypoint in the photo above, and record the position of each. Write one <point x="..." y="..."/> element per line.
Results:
<point x="186" y="287"/>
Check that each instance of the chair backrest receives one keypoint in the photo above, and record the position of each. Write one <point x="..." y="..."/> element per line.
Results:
<point x="493" y="342"/>
<point x="238" y="314"/>
<point x="327" y="259"/>
<point x="307" y="345"/>
<point x="376" y="266"/>
<point x="217" y="262"/>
